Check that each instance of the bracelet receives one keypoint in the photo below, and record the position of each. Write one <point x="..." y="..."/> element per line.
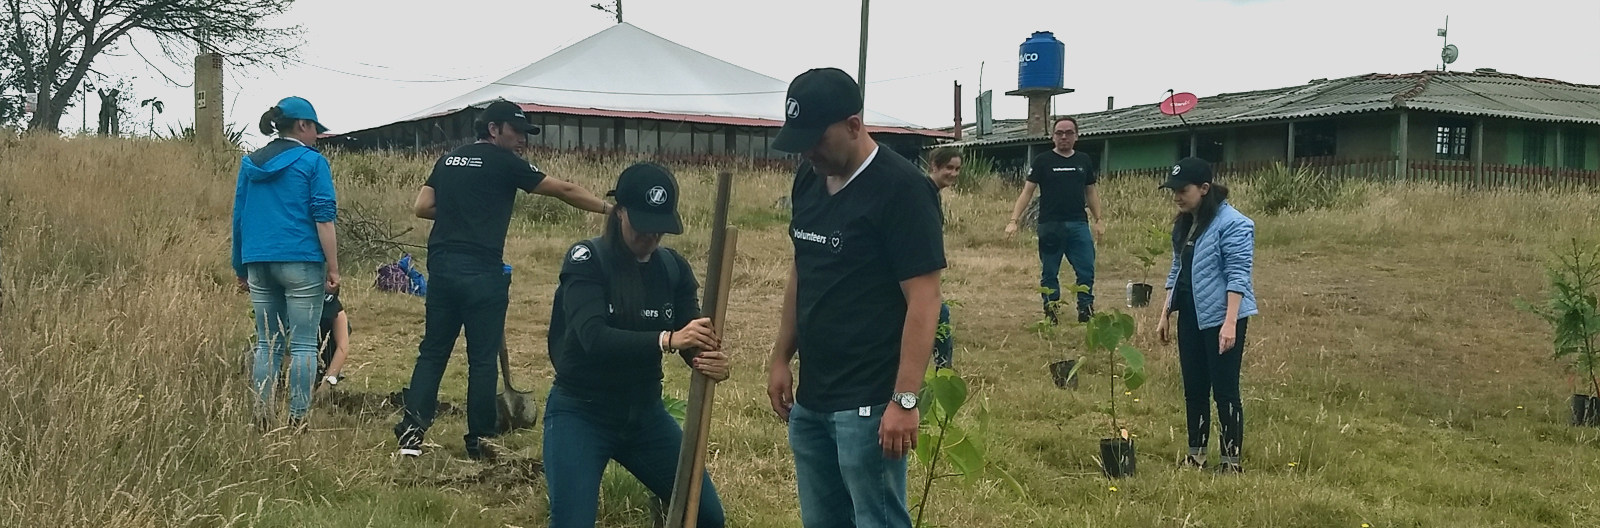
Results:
<point x="332" y="380"/>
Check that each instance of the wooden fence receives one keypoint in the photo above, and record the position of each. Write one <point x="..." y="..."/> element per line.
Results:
<point x="1383" y="168"/>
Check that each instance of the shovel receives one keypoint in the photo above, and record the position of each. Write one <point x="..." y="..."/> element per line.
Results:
<point x="517" y="409"/>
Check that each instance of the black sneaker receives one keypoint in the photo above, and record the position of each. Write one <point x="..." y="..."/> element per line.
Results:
<point x="483" y="450"/>
<point x="1228" y="467"/>
<point x="1050" y="313"/>
<point x="1193" y="461"/>
<point x="1084" y="313"/>
<point x="410" y="442"/>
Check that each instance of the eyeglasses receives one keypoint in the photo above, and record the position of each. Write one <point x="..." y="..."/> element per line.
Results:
<point x="1066" y="132"/>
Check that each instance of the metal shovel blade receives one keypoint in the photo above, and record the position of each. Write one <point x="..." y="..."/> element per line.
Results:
<point x="517" y="409"/>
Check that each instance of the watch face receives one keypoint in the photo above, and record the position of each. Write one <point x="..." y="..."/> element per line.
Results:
<point x="908" y="400"/>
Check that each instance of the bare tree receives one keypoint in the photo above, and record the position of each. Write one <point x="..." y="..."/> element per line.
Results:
<point x="55" y="42"/>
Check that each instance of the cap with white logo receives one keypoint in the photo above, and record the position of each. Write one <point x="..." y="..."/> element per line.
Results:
<point x="649" y="192"/>
<point x="818" y="98"/>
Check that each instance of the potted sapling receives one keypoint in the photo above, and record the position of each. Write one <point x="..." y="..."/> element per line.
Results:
<point x="1154" y="244"/>
<point x="1063" y="372"/>
<point x="1108" y="332"/>
<point x="1574" y="318"/>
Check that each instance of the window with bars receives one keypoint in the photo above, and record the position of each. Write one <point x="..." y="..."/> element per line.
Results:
<point x="1533" y="146"/>
<point x="1315" y="139"/>
<point x="1453" y="140"/>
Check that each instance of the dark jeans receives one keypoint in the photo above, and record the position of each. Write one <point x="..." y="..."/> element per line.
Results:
<point x="478" y="303"/>
<point x="944" y="348"/>
<point x="1073" y="241"/>
<point x="581" y="435"/>
<point x="1207" y="375"/>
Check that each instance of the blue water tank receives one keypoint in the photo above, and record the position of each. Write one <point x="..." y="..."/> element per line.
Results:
<point x="1040" y="62"/>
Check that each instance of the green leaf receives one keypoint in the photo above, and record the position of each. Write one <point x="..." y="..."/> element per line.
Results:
<point x="675" y="407"/>
<point x="1125" y="323"/>
<point x="1133" y="374"/>
<point x="950" y="391"/>
<point x="966" y="458"/>
<point x="924" y="449"/>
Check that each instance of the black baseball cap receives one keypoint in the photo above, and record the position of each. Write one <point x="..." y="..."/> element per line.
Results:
<point x="1188" y="171"/>
<point x="650" y="194"/>
<point x="503" y="111"/>
<point x="818" y="98"/>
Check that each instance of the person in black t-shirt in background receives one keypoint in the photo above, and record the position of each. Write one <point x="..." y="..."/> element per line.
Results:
<point x="335" y="338"/>
<point x="944" y="168"/>
<point x="623" y="303"/>
<point x="469" y="197"/>
<point x="861" y="308"/>
<point x="1065" y="180"/>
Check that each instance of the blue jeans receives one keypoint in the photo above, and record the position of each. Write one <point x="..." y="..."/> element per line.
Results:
<point x="288" y="303"/>
<point x="944" y="348"/>
<point x="476" y="302"/>
<point x="1073" y="241"/>
<point x="845" y="481"/>
<point x="581" y="435"/>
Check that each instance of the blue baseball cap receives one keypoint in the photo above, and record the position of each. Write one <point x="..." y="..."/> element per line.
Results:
<point x="299" y="108"/>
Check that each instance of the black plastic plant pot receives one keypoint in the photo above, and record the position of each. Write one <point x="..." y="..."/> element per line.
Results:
<point x="1140" y="296"/>
<point x="1117" y="457"/>
<point x="1585" y="410"/>
<point x="1059" y="371"/>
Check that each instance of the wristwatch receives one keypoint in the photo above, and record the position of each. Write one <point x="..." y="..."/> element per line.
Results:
<point x="906" y="400"/>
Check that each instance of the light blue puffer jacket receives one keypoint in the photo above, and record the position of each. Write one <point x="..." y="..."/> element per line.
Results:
<point x="1223" y="259"/>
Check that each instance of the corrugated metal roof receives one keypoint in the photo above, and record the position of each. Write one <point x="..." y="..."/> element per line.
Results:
<point x="1480" y="93"/>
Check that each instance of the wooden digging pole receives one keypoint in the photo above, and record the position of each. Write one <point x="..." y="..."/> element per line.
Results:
<point x="684" y="508"/>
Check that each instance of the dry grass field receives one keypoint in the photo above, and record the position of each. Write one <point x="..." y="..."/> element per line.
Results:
<point x="1389" y="381"/>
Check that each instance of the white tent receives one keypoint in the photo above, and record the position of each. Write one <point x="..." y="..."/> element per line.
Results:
<point x="624" y="68"/>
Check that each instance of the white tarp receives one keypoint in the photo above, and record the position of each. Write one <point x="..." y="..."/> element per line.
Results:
<point x="629" y="69"/>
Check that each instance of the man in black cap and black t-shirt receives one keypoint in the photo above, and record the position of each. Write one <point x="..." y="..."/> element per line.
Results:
<point x="1065" y="180"/>
<point x="469" y="198"/>
<point x="861" y="308"/>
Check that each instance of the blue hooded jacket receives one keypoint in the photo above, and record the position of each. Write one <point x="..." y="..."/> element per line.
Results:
<point x="285" y="189"/>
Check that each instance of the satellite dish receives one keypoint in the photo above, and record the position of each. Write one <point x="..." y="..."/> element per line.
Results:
<point x="1179" y="103"/>
<point x="1450" y="53"/>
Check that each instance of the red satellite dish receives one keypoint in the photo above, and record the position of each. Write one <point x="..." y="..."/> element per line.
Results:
<point x="1179" y="103"/>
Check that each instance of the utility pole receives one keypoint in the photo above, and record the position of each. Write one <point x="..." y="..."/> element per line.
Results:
<point x="861" y="72"/>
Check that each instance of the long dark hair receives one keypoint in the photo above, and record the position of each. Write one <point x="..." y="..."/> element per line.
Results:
<point x="626" y="274"/>
<point x="274" y="122"/>
<point x="1192" y="224"/>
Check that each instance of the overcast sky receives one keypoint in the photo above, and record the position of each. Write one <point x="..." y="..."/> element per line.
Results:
<point x="1131" y="49"/>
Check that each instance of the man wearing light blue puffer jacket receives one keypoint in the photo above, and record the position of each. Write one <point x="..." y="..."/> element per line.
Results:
<point x="1210" y="288"/>
<point x="285" y="251"/>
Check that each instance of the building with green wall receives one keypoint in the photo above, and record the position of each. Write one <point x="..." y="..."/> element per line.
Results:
<point x="1479" y="126"/>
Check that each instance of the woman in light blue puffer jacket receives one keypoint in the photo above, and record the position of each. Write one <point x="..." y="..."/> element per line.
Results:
<point x="1210" y="288"/>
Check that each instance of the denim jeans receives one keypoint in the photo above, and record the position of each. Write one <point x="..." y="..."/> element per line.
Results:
<point x="288" y="304"/>
<point x="944" y="348"/>
<point x="581" y="435"/>
<point x="844" y="478"/>
<point x="476" y="302"/>
<point x="1073" y="241"/>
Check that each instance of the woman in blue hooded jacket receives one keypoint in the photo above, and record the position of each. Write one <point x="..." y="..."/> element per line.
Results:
<point x="284" y="251"/>
<point x="1210" y="288"/>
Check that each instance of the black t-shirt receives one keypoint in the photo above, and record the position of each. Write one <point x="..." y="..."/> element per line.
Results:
<point x="474" y="187"/>
<point x="1062" y="181"/>
<point x="598" y="353"/>
<point x="1185" y="284"/>
<point x="852" y="250"/>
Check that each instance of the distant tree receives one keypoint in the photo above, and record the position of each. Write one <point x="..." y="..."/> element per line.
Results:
<point x="51" y="45"/>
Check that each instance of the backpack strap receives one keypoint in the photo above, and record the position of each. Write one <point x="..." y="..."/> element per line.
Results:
<point x="674" y="268"/>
